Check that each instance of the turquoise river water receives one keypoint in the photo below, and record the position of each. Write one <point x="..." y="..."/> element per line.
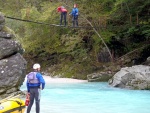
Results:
<point x="87" y="97"/>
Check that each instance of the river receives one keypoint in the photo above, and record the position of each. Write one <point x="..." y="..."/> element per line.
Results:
<point x="79" y="96"/>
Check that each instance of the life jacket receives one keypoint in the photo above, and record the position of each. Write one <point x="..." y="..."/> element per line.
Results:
<point x="31" y="77"/>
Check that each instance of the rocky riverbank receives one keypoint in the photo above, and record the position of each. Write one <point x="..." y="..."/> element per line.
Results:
<point x="12" y="64"/>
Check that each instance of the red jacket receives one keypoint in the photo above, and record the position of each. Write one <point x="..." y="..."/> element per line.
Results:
<point x="61" y="9"/>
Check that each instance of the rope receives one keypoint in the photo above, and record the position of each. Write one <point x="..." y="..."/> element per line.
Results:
<point x="27" y="20"/>
<point x="42" y="23"/>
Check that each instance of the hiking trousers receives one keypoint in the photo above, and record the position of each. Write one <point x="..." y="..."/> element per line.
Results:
<point x="63" y="16"/>
<point x="75" y="20"/>
<point x="34" y="95"/>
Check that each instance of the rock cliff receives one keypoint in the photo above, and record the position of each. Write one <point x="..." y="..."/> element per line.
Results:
<point x="12" y="64"/>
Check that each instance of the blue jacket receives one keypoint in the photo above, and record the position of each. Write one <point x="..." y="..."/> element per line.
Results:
<point x="75" y="12"/>
<point x="41" y="82"/>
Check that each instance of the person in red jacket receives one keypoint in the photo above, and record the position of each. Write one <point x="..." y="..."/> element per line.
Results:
<point x="63" y="12"/>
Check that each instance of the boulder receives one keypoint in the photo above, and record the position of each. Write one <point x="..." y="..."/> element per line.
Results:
<point x="12" y="64"/>
<point x="12" y="73"/>
<point x="2" y="19"/>
<point x="99" y="77"/>
<point x="135" y="77"/>
<point x="5" y="35"/>
<point x="1" y="26"/>
<point x="9" y="47"/>
<point x="147" y="62"/>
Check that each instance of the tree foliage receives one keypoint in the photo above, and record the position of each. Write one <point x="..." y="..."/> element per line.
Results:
<point x="123" y="24"/>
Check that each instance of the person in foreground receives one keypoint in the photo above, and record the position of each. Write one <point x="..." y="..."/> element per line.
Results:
<point x="35" y="83"/>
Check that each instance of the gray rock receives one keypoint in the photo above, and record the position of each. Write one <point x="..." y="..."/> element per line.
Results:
<point x="5" y="35"/>
<point x="9" y="47"/>
<point x="1" y="26"/>
<point x="2" y="19"/>
<point x="99" y="77"/>
<point x="148" y="59"/>
<point x="12" y="64"/>
<point x="12" y="73"/>
<point x="14" y="89"/>
<point x="135" y="77"/>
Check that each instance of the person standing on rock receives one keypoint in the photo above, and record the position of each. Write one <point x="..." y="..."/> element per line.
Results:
<point x="35" y="83"/>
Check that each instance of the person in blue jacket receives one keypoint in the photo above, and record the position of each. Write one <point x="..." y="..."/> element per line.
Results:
<point x="75" y="13"/>
<point x="35" y="83"/>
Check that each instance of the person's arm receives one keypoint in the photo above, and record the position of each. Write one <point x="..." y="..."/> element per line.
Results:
<point x="41" y="80"/>
<point x="71" y="13"/>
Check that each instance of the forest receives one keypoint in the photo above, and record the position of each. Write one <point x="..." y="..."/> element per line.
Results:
<point x="111" y="33"/>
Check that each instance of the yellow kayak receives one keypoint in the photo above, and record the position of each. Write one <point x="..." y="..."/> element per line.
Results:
<point x="14" y="105"/>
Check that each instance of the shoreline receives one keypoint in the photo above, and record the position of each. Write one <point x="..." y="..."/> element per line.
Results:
<point x="49" y="79"/>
